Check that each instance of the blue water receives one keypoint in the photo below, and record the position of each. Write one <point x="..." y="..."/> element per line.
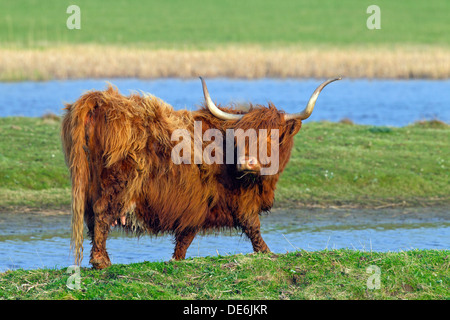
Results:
<point x="372" y="102"/>
<point x="44" y="241"/>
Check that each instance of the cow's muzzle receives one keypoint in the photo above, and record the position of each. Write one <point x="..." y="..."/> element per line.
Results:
<point x="248" y="164"/>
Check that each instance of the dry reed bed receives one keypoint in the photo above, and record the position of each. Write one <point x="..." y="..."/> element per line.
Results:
<point x="86" y="61"/>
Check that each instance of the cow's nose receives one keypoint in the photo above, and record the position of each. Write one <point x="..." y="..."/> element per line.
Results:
<point x="251" y="162"/>
<point x="248" y="163"/>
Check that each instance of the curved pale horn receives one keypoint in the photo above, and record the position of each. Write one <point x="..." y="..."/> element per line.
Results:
<point x="216" y="111"/>
<point x="312" y="101"/>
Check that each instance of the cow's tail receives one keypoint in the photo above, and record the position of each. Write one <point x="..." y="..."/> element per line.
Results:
<point x="73" y="134"/>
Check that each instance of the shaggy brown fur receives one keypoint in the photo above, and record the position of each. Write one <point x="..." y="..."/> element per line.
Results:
<point x="118" y="150"/>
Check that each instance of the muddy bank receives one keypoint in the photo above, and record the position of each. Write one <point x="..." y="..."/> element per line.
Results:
<point x="411" y="205"/>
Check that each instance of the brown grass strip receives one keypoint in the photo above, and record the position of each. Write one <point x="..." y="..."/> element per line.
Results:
<point x="88" y="61"/>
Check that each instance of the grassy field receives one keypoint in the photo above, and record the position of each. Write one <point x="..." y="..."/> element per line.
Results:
<point x="194" y="23"/>
<point x="240" y="39"/>
<point x="329" y="274"/>
<point x="340" y="164"/>
<point x="332" y="164"/>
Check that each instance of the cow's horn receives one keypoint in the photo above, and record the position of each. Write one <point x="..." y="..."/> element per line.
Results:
<point x="216" y="111"/>
<point x="312" y="101"/>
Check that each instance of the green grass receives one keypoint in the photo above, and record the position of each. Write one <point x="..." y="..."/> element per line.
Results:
<point x="181" y="23"/>
<point x="340" y="164"/>
<point x="332" y="164"/>
<point x="328" y="274"/>
<point x="32" y="168"/>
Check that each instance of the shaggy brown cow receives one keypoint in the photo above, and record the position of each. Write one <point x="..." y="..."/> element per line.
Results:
<point x="119" y="152"/>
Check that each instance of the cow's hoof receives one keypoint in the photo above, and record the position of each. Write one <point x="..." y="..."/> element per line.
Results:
<point x="100" y="262"/>
<point x="98" y="265"/>
<point x="177" y="258"/>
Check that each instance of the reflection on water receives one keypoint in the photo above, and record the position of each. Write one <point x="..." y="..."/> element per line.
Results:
<point x="34" y="240"/>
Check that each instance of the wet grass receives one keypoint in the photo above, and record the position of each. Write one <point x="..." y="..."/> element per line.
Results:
<point x="332" y="164"/>
<point x="328" y="274"/>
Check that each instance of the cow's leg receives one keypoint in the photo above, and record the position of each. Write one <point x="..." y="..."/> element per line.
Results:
<point x="89" y="218"/>
<point x="97" y="231"/>
<point x="108" y="209"/>
<point x="99" y="256"/>
<point x="183" y="240"/>
<point x="252" y="228"/>
<point x="99" y="226"/>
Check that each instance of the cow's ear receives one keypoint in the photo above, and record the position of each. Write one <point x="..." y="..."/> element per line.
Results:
<point x="294" y="126"/>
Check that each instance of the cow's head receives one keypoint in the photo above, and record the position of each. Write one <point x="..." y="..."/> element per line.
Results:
<point x="269" y="152"/>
